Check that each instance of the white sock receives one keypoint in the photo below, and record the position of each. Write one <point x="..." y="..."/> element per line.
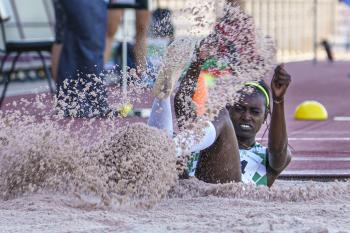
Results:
<point x="161" y="116"/>
<point x="188" y="141"/>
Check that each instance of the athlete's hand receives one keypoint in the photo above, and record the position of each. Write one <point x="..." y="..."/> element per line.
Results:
<point x="279" y="83"/>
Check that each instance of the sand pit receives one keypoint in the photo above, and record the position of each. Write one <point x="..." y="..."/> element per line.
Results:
<point x="47" y="187"/>
<point x="326" y="209"/>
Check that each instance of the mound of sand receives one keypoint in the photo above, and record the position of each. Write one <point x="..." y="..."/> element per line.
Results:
<point x="135" y="164"/>
<point x="139" y="163"/>
<point x="42" y="157"/>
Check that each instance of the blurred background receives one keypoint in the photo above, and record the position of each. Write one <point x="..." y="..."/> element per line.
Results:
<point x="298" y="26"/>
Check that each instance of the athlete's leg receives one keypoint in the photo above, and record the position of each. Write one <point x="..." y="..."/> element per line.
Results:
<point x="196" y="140"/>
<point x="161" y="116"/>
<point x="186" y="141"/>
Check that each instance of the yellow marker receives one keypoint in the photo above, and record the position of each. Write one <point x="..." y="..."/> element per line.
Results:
<point x="311" y="111"/>
<point x="125" y="109"/>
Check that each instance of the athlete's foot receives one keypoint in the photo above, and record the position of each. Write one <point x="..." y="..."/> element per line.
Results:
<point x="178" y="53"/>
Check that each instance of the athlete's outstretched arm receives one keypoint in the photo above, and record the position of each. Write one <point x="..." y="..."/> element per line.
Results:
<point x="279" y="155"/>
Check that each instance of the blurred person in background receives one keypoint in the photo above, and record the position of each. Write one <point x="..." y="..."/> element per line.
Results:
<point x="59" y="30"/>
<point x="142" y="25"/>
<point x="81" y="90"/>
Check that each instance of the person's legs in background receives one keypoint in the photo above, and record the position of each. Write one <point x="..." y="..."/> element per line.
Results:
<point x="59" y="32"/>
<point x="55" y="56"/>
<point x="113" y="22"/>
<point x="81" y="59"/>
<point x="241" y="3"/>
<point x="142" y="25"/>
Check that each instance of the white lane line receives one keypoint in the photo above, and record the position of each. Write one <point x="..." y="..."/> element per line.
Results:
<point x="311" y="139"/>
<point x="326" y="159"/>
<point x="317" y="172"/>
<point x="319" y="139"/>
<point x="341" y="118"/>
<point x="324" y="132"/>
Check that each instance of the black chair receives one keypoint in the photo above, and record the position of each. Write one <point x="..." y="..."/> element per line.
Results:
<point x="18" y="47"/>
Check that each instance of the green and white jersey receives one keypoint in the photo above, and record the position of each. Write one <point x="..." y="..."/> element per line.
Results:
<point x="253" y="164"/>
<point x="192" y="163"/>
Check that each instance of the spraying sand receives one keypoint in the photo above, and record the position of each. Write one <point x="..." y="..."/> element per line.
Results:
<point x="134" y="165"/>
<point x="96" y="176"/>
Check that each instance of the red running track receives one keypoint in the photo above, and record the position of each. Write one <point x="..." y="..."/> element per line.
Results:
<point x="320" y="148"/>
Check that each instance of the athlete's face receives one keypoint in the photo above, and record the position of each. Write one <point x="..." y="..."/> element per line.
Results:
<point x="248" y="115"/>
